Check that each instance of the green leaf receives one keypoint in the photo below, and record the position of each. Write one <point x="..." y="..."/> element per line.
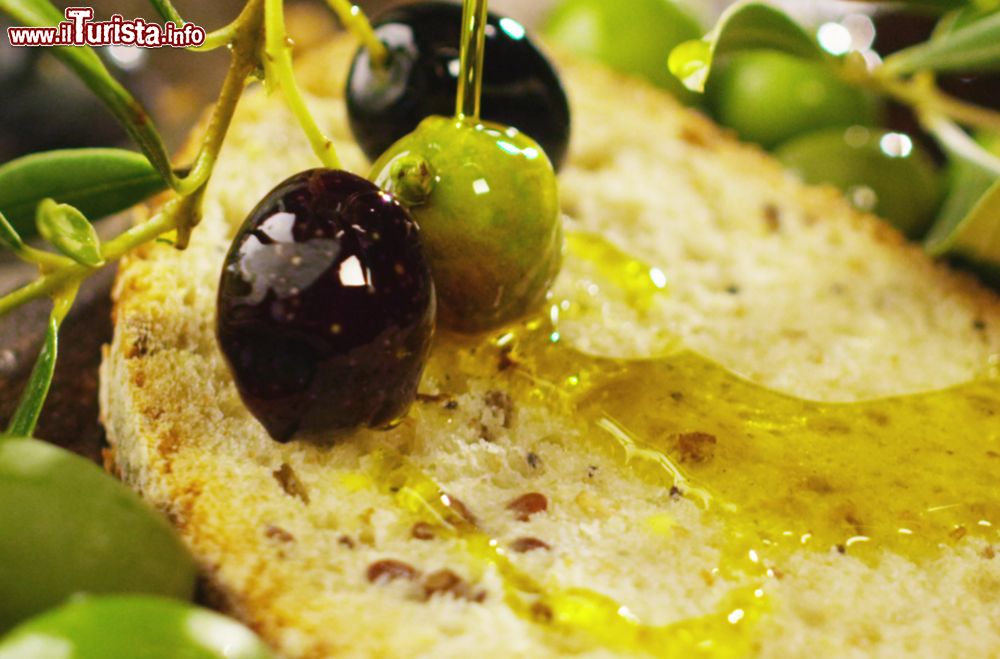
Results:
<point x="968" y="227"/>
<point x="744" y="26"/>
<point x="99" y="182"/>
<point x="975" y="241"/>
<point x="68" y="230"/>
<point x="974" y="170"/>
<point x="37" y="390"/>
<point x="89" y="67"/>
<point x="8" y="236"/>
<point x="969" y="46"/>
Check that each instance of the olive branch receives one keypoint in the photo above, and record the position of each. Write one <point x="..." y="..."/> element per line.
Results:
<point x="57" y="194"/>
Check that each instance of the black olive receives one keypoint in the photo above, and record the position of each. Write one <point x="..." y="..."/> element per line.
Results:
<point x="520" y="87"/>
<point x="326" y="307"/>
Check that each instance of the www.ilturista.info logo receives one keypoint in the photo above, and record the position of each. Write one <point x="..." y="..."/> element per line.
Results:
<point x="80" y="30"/>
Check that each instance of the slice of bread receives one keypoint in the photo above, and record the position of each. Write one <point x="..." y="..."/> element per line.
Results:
<point x="783" y="284"/>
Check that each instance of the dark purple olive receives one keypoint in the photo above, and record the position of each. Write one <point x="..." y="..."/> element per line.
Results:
<point x="520" y="87"/>
<point x="326" y="307"/>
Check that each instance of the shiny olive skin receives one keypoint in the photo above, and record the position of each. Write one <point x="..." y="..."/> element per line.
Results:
<point x="70" y="528"/>
<point x="131" y="627"/>
<point x="520" y="86"/>
<point x="326" y="307"/>
<point x="906" y="188"/>
<point x="633" y="37"/>
<point x="490" y="222"/>
<point x="770" y="97"/>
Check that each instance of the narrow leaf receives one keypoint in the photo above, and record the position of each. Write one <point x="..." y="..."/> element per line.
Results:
<point x="8" y="236"/>
<point x="68" y="230"/>
<point x="974" y="170"/>
<point x="25" y="418"/>
<point x="968" y="228"/>
<point x="972" y="47"/>
<point x="975" y="242"/>
<point x="83" y="61"/>
<point x="744" y="26"/>
<point x="99" y="182"/>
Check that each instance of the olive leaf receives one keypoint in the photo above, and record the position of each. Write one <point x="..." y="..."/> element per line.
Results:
<point x="970" y="43"/>
<point x="744" y="26"/>
<point x="83" y="61"/>
<point x="69" y="231"/>
<point x="8" y="236"/>
<point x="25" y="418"/>
<point x="975" y="239"/>
<point x="99" y="182"/>
<point x="968" y="226"/>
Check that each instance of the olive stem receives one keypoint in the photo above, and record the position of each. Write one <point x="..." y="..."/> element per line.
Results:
<point x="921" y="93"/>
<point x="278" y="69"/>
<point x="224" y="36"/>
<point x="165" y="220"/>
<point x="352" y="18"/>
<point x="413" y="179"/>
<point x="215" y="39"/>
<point x="41" y="258"/>
<point x="470" y="84"/>
<point x="242" y="63"/>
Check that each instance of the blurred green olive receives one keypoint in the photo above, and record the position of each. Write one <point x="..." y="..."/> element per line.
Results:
<point x="131" y="627"/>
<point x="882" y="172"/>
<point x="769" y="97"/>
<point x="634" y="37"/>
<point x="68" y="528"/>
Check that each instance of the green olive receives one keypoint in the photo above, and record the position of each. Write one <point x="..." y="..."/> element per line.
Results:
<point x="886" y="173"/>
<point x="68" y="527"/>
<point x="634" y="37"/>
<point x="487" y="203"/>
<point x="769" y="97"/>
<point x="131" y="627"/>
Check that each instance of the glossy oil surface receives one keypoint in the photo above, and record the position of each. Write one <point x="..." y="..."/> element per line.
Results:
<point x="910" y="475"/>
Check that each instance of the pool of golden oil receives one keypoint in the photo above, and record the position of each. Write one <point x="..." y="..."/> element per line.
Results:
<point x="909" y="475"/>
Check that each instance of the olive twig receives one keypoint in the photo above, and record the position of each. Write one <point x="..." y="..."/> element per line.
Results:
<point x="215" y="39"/>
<point x="921" y="93"/>
<point x="243" y="62"/>
<point x="278" y="71"/>
<point x="352" y="18"/>
<point x="72" y="272"/>
<point x="41" y="258"/>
